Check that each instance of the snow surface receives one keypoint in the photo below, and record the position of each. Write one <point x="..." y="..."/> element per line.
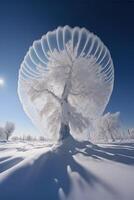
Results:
<point x="70" y="171"/>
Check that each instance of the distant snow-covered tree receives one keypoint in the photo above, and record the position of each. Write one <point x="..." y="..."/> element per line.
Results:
<point x="107" y="128"/>
<point x="29" y="138"/>
<point x="42" y="138"/>
<point x="15" y="138"/>
<point x="9" y="129"/>
<point x="2" y="134"/>
<point x="131" y="133"/>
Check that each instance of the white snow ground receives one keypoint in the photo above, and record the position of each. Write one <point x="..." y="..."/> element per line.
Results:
<point x="72" y="171"/>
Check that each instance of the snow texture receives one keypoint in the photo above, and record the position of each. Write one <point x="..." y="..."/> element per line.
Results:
<point x="72" y="171"/>
<point x="65" y="80"/>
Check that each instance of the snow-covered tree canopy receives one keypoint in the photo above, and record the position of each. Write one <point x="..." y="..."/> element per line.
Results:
<point x="7" y="131"/>
<point x="107" y="128"/>
<point x="65" y="81"/>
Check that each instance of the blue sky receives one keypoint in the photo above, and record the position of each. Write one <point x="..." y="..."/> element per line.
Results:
<point x="22" y="22"/>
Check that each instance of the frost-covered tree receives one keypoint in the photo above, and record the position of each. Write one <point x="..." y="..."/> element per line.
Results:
<point x="15" y="138"/>
<point x="69" y="86"/>
<point x="41" y="138"/>
<point x="131" y="133"/>
<point x="2" y="134"/>
<point x="65" y="81"/>
<point x="9" y="129"/>
<point x="107" y="128"/>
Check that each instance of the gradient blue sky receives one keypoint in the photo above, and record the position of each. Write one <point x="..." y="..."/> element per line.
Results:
<point x="21" y="22"/>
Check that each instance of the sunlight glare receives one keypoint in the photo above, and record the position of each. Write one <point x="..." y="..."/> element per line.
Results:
<point x="1" y="82"/>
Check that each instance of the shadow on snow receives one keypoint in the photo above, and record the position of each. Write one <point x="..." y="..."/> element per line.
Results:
<point x="42" y="179"/>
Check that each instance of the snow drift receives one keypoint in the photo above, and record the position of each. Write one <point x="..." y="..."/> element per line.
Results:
<point x="72" y="171"/>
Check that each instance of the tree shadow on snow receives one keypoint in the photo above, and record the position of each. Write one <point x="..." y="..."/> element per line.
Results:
<point x="43" y="178"/>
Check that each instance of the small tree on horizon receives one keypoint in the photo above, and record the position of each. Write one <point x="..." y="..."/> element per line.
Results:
<point x="107" y="128"/>
<point x="2" y="134"/>
<point x="9" y="129"/>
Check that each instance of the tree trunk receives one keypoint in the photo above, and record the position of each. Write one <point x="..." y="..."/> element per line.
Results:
<point x="64" y="128"/>
<point x="64" y="131"/>
<point x="7" y="137"/>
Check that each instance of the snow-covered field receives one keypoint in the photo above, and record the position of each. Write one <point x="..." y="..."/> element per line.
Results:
<point x="72" y="171"/>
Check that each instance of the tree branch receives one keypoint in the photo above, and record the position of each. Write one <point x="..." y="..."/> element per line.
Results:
<point x="49" y="92"/>
<point x="67" y="86"/>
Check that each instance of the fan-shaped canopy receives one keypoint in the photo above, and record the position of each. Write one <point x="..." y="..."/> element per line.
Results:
<point x="69" y="64"/>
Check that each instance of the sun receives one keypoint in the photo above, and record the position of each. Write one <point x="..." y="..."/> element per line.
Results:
<point x="1" y="82"/>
